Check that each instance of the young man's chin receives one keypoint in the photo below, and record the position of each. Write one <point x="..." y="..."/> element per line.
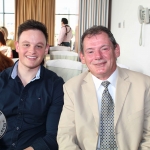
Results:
<point x="33" y="66"/>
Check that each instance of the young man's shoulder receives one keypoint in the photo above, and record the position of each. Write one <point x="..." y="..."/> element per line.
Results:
<point x="50" y="75"/>
<point x="6" y="72"/>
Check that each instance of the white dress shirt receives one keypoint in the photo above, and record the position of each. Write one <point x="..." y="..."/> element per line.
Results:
<point x="111" y="88"/>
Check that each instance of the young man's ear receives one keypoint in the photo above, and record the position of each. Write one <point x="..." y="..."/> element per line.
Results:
<point x="17" y="46"/>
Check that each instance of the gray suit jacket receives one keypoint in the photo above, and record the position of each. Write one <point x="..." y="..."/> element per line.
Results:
<point x="79" y="123"/>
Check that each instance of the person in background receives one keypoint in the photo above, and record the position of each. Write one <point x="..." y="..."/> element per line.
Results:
<point x="65" y="34"/>
<point x="31" y="96"/>
<point x="107" y="107"/>
<point x="6" y="50"/>
<point x="9" y="42"/>
<point x="5" y="62"/>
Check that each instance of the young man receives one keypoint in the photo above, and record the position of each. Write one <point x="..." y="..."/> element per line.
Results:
<point x="31" y="97"/>
<point x="65" y="34"/>
<point x="107" y="107"/>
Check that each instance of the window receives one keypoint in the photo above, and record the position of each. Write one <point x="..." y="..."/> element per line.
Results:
<point x="7" y="16"/>
<point x="66" y="9"/>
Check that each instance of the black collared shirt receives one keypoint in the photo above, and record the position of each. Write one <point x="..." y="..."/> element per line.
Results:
<point x="32" y="112"/>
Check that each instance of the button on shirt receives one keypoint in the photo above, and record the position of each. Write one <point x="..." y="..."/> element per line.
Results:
<point x="32" y="112"/>
<point x="99" y="88"/>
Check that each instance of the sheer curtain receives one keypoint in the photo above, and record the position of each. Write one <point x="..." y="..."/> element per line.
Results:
<point x="40" y="10"/>
<point x="91" y="12"/>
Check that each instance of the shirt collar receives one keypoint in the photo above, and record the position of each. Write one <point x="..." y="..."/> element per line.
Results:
<point x="112" y="79"/>
<point x="15" y="72"/>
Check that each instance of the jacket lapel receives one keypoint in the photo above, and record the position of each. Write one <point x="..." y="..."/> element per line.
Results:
<point x="90" y="96"/>
<point x="122" y="89"/>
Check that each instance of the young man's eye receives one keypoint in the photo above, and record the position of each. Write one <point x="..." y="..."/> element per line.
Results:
<point x="26" y="45"/>
<point x="39" y="46"/>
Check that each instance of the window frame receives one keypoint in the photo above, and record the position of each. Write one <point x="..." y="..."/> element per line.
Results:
<point x="3" y="13"/>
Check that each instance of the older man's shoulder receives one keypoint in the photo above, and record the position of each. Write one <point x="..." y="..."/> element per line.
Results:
<point x="77" y="79"/>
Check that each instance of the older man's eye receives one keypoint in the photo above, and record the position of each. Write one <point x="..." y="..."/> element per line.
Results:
<point x="105" y="48"/>
<point x="89" y="52"/>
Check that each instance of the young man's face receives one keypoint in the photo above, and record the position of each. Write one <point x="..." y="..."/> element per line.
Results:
<point x="99" y="55"/>
<point x="32" y="48"/>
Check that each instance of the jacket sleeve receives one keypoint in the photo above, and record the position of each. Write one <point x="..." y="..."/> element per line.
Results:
<point x="145" y="143"/>
<point x="66" y="136"/>
<point x="48" y="142"/>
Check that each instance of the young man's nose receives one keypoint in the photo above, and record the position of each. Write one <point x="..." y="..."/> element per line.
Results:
<point x="32" y="49"/>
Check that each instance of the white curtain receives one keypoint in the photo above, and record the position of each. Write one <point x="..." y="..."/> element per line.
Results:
<point x="91" y="12"/>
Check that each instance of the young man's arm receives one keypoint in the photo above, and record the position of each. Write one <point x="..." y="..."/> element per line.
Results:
<point x="48" y="142"/>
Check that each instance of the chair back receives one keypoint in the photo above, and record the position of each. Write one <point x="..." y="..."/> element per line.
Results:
<point x="64" y="68"/>
<point x="84" y="67"/>
<point x="60" y="48"/>
<point x="64" y="55"/>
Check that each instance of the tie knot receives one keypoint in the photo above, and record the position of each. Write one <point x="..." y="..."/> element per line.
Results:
<point x="105" y="83"/>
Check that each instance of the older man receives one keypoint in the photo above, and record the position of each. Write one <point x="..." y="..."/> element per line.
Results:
<point x="107" y="107"/>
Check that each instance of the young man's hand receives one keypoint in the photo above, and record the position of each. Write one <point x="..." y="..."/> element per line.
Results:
<point x="29" y="148"/>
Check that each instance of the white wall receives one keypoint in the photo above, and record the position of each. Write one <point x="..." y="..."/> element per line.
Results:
<point x="132" y="55"/>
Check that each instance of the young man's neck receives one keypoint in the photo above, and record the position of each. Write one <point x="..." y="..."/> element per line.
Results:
<point x="26" y="74"/>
